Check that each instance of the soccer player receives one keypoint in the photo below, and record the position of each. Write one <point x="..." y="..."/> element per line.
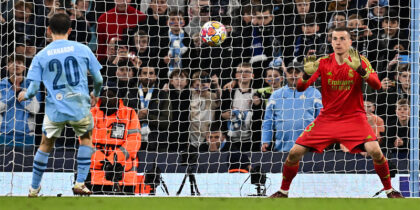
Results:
<point x="343" y="118"/>
<point x="62" y="67"/>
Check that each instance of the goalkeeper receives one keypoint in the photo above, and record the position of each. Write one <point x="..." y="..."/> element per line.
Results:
<point x="343" y="118"/>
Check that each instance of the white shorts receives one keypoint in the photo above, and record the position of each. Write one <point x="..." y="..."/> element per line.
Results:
<point x="54" y="129"/>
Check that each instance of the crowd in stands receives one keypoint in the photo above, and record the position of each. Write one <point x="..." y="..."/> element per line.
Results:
<point x="240" y="96"/>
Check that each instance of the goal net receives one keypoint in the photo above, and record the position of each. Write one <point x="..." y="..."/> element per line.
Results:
<point x="201" y="111"/>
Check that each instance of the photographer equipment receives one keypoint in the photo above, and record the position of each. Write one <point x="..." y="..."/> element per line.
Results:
<point x="258" y="179"/>
<point x="154" y="179"/>
<point x="190" y="159"/>
<point x="114" y="173"/>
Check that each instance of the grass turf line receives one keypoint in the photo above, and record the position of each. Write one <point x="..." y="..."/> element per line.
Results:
<point x="157" y="203"/>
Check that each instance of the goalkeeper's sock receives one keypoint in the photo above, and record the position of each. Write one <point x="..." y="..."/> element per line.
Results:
<point x="39" y="166"/>
<point x="289" y="172"/>
<point x="83" y="162"/>
<point x="382" y="169"/>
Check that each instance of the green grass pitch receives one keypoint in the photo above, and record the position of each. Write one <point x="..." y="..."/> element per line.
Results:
<point x="157" y="203"/>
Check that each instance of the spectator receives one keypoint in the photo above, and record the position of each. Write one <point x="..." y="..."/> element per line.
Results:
<point x="115" y="21"/>
<point x="376" y="122"/>
<point x="338" y="20"/>
<point x="116" y="137"/>
<point x="289" y="112"/>
<point x="256" y="44"/>
<point x="111" y="52"/>
<point x="393" y="91"/>
<point x="157" y="18"/>
<point x="342" y="5"/>
<point x="202" y="106"/>
<point x="123" y="54"/>
<point x="293" y="28"/>
<point x="215" y="140"/>
<point x="124" y="78"/>
<point x="376" y="11"/>
<point x="22" y="28"/>
<point x="310" y="42"/>
<point x="393" y="37"/>
<point x="143" y="48"/>
<point x="179" y="94"/>
<point x="329" y="49"/>
<point x="397" y="135"/>
<point x="17" y="118"/>
<point x="26" y="47"/>
<point x="364" y="42"/>
<point x="199" y="14"/>
<point x="273" y="77"/>
<point x="237" y="109"/>
<point x="174" y="43"/>
<point x="152" y="105"/>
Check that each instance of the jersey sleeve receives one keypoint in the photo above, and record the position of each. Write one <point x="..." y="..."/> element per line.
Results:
<point x="302" y="86"/>
<point x="35" y="70"/>
<point x="373" y="79"/>
<point x="94" y="65"/>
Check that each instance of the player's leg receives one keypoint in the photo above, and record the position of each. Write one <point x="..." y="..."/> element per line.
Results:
<point x="51" y="131"/>
<point x="84" y="156"/>
<point x="83" y="128"/>
<point x="290" y="169"/>
<point x="40" y="164"/>
<point x="380" y="164"/>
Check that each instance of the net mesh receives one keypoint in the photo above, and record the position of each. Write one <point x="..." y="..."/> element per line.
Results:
<point x="201" y="109"/>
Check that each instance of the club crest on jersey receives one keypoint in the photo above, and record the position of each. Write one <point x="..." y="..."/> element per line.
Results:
<point x="351" y="73"/>
<point x="59" y="96"/>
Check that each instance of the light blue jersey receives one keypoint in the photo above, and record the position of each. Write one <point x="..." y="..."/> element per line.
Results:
<point x="63" y="67"/>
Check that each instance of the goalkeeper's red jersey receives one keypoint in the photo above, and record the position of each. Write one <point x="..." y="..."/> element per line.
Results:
<point x="341" y="87"/>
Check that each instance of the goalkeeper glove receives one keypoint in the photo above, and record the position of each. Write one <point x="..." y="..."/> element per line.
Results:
<point x="356" y="63"/>
<point x="310" y="64"/>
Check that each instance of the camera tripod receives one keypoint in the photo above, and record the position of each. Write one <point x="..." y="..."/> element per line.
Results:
<point x="193" y="182"/>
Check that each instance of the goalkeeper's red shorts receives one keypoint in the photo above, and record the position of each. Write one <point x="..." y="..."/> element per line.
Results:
<point x="351" y="131"/>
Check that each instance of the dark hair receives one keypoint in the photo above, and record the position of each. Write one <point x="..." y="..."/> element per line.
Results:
<point x="24" y="5"/>
<point x="16" y="57"/>
<point x="339" y="29"/>
<point x="310" y="20"/>
<point x="178" y="72"/>
<point x="403" y="68"/>
<point x="176" y="13"/>
<point x="341" y="14"/>
<point x="262" y="8"/>
<point x="403" y="101"/>
<point x="124" y="63"/>
<point x="140" y="33"/>
<point x="279" y="70"/>
<point x="60" y="23"/>
<point x="392" y="16"/>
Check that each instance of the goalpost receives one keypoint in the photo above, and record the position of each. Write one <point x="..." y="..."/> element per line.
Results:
<point x="414" y="135"/>
<point x="332" y="174"/>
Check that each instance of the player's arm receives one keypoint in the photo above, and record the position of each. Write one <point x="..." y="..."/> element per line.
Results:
<point x="95" y="70"/>
<point x="310" y="74"/>
<point x="35" y="76"/>
<point x="97" y="83"/>
<point x="362" y="66"/>
<point x="30" y="92"/>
